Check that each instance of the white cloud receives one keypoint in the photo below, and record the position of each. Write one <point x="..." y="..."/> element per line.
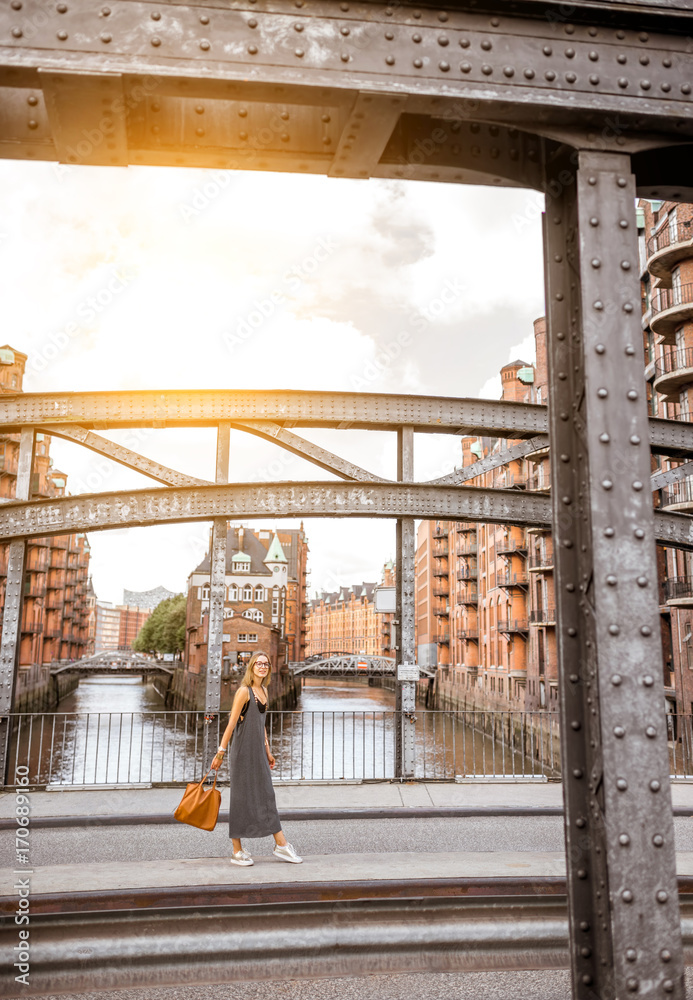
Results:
<point x="375" y="286"/>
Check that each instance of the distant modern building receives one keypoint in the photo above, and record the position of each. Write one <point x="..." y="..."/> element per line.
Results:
<point x="107" y="629"/>
<point x="345" y="621"/>
<point x="146" y="598"/>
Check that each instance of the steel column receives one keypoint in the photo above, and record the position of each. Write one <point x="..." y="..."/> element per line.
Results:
<point x="217" y="595"/>
<point x="625" y="931"/>
<point x="12" y="611"/>
<point x="407" y="670"/>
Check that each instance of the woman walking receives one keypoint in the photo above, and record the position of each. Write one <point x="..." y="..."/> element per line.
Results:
<point x="252" y="807"/>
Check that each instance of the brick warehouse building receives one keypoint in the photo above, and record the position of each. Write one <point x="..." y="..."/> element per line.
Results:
<point x="486" y="603"/>
<point x="265" y="598"/>
<point x="345" y="621"/>
<point x="57" y="605"/>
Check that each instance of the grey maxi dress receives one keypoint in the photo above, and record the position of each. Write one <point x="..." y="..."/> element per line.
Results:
<point x="252" y="805"/>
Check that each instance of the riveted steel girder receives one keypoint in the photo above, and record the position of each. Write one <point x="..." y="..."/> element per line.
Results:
<point x="371" y="90"/>
<point x="137" y="508"/>
<point x="624" y="919"/>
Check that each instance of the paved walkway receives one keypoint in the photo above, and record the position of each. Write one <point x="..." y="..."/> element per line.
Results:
<point x="373" y="796"/>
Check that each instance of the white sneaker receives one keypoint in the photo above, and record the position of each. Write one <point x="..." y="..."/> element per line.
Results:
<point x="241" y="858"/>
<point x="287" y="853"/>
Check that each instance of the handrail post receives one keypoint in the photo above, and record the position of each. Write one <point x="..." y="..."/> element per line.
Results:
<point x="217" y="596"/>
<point x="407" y="670"/>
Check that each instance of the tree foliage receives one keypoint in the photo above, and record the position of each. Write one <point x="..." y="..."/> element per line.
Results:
<point x="164" y="630"/>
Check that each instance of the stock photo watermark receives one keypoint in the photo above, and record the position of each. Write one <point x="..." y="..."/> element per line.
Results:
<point x="23" y="884"/>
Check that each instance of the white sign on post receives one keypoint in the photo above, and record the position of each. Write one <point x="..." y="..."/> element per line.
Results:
<point x="407" y="672"/>
<point x="385" y="600"/>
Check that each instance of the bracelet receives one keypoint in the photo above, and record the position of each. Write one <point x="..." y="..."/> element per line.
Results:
<point x="221" y="750"/>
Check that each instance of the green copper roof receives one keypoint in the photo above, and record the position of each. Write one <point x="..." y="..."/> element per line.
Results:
<point x="276" y="552"/>
<point x="241" y="557"/>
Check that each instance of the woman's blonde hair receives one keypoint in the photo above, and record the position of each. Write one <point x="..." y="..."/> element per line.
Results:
<point x="248" y="676"/>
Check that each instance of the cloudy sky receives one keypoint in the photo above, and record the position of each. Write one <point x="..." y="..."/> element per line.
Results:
<point x="143" y="277"/>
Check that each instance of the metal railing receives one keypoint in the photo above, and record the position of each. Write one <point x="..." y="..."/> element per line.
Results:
<point x="122" y="748"/>
<point x="683" y="231"/>
<point x="667" y="298"/>
<point x="677" y="587"/>
<point x="543" y="616"/>
<point x="513" y="625"/>
<point x="681" y="492"/>
<point x="67" y="749"/>
<point x="512" y="579"/>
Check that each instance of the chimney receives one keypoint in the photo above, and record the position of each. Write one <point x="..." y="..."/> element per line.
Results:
<point x="240" y="538"/>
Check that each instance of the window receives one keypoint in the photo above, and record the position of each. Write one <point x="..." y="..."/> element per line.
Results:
<point x="255" y="614"/>
<point x="205" y="592"/>
<point x="259" y="593"/>
<point x="275" y="605"/>
<point x="242" y="636"/>
<point x="247" y="593"/>
<point x="252" y="636"/>
<point x="233" y="592"/>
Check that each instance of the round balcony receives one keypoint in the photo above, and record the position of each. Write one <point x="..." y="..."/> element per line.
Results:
<point x="679" y="496"/>
<point x="667" y="247"/>
<point x="674" y="372"/>
<point x="670" y="307"/>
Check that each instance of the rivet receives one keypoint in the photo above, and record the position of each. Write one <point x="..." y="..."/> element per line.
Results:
<point x="574" y="678"/>
<point x="566" y="500"/>
<point x="621" y="182"/>
<point x="572" y="631"/>
<point x="443" y="16"/>
<point x="465" y="67"/>
<point x="628" y="307"/>
<point x="645" y="630"/>
<point x="599" y="305"/>
<point x="62" y="35"/>
<point x="622" y="82"/>
<point x="105" y="11"/>
<point x="570" y="77"/>
<point x="591" y="181"/>
<point x="602" y="392"/>
<point x="345" y="31"/>
<point x="624" y="840"/>
<point x="252" y="23"/>
<point x="594" y="221"/>
<point x="529" y="74"/>
<point x="619" y="732"/>
<point x="486" y="69"/>
<point x="594" y="79"/>
<point x="570" y="29"/>
<point x="666" y="87"/>
<point x="444" y="40"/>
<point x="632" y="984"/>
<point x="204" y="45"/>
<point x="639" y="533"/>
<point x="614" y="630"/>
<point x="665" y="955"/>
<point x="654" y="785"/>
<point x="648" y="680"/>
<point x="609" y="532"/>
<point x="642" y="581"/>
<point x="658" y="840"/>
<point x="662" y="896"/>
<point x="464" y="43"/>
<point x="486" y="45"/>
<point x="611" y="580"/>
<point x="204" y="19"/>
<point x="580" y="823"/>
<point x="155" y="15"/>
<point x="637" y="485"/>
<point x="575" y="724"/>
<point x="643" y="36"/>
<point x="32" y="124"/>
<point x="16" y="5"/>
<point x="17" y="32"/>
<point x="550" y="75"/>
<point x="577" y="772"/>
<point x="581" y="873"/>
<point x="390" y="60"/>
<point x="596" y="262"/>
<point x="587" y="980"/>
<point x="604" y="438"/>
<point x="495" y="21"/>
<point x="668" y="986"/>
<point x="622" y="784"/>
<point x="634" y="439"/>
<point x="666" y="62"/>
<point x="685" y="88"/>
<point x="607" y="484"/>
<point x="627" y="896"/>
<point x="584" y="926"/>
<point x="199" y="131"/>
<point x="651" y="732"/>
<point x="508" y="71"/>
<point x="645" y="84"/>
<point x="33" y="101"/>
<point x="418" y="63"/>
<point x="444" y="66"/>
<point x="155" y="41"/>
<point x="344" y="57"/>
<point x="299" y="53"/>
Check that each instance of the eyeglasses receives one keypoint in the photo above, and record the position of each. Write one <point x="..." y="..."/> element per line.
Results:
<point x="261" y="663"/>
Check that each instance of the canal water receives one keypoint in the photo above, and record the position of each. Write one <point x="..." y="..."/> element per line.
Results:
<point x="115" y="730"/>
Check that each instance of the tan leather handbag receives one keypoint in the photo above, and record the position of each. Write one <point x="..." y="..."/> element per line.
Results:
<point x="200" y="806"/>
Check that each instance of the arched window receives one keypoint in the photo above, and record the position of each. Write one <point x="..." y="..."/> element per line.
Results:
<point x="254" y="613"/>
<point x="259" y="593"/>
<point x="233" y="592"/>
<point x="205" y="592"/>
<point x="247" y="593"/>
